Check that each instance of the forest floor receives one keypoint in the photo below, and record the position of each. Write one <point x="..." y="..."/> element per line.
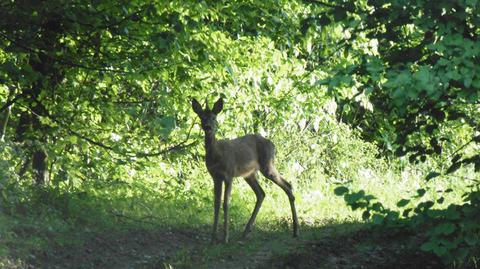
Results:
<point x="331" y="246"/>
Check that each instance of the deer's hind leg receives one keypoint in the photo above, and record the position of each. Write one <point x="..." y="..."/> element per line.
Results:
<point x="253" y="182"/>
<point x="270" y="172"/>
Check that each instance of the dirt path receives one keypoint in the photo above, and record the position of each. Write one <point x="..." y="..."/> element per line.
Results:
<point x="363" y="249"/>
<point x="179" y="248"/>
<point x="134" y="249"/>
<point x="164" y="249"/>
<point x="248" y="256"/>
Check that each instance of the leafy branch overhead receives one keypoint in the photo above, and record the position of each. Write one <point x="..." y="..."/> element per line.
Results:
<point x="114" y="79"/>
<point x="413" y="64"/>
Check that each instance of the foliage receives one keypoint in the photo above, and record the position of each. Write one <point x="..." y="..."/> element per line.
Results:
<point x="406" y="76"/>
<point x="95" y="108"/>
<point x="451" y="232"/>
<point x="408" y="71"/>
<point x="90" y="83"/>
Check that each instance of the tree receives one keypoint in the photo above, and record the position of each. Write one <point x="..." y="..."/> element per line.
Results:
<point x="83" y="81"/>
<point x="67" y="67"/>
<point x="408" y="79"/>
<point x="409" y="72"/>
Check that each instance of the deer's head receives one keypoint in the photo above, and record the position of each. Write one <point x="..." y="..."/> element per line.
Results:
<point x="208" y="117"/>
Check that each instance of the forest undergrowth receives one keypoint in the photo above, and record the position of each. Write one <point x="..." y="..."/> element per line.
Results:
<point x="161" y="216"/>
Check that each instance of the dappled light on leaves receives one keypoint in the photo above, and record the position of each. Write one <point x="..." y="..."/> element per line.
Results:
<point x="373" y="106"/>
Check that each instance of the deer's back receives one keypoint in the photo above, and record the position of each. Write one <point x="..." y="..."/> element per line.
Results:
<point x="246" y="154"/>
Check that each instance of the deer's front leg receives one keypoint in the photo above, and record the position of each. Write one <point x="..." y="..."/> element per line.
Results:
<point x="217" y="191"/>
<point x="226" y="200"/>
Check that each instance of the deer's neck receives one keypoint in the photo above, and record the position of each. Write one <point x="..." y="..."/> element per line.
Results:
<point x="211" y="149"/>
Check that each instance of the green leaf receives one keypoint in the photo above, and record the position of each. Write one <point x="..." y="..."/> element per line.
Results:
<point x="354" y="197"/>
<point x="452" y="213"/>
<point x="377" y="219"/>
<point x="472" y="3"/>
<point x="406" y="212"/>
<point x="432" y="175"/>
<point x="341" y="190"/>
<point x="166" y="125"/>
<point x="467" y="82"/>
<point x="392" y="215"/>
<point x="366" y="215"/>
<point x="461" y="253"/>
<point x="377" y="206"/>
<point x="440" y="251"/>
<point x="428" y="204"/>
<point x="435" y="213"/>
<point x="445" y="228"/>
<point x="421" y="192"/>
<point x="471" y="240"/>
<point x="454" y="167"/>
<point x="456" y="157"/>
<point x="403" y="202"/>
<point x="429" y="246"/>
<point x="73" y="139"/>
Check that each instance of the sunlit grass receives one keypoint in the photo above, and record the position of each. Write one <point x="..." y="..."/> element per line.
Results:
<point x="317" y="204"/>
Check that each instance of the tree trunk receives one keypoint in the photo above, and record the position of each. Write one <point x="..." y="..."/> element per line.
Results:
<point x="29" y="130"/>
<point x="39" y="166"/>
<point x="3" y="126"/>
<point x="8" y="111"/>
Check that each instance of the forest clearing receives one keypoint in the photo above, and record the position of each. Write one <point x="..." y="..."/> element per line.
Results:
<point x="340" y="134"/>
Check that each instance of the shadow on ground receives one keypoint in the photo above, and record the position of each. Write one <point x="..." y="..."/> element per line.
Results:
<point x="347" y="245"/>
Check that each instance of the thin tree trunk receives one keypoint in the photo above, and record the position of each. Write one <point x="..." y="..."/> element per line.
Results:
<point x="8" y="111"/>
<point x="3" y="126"/>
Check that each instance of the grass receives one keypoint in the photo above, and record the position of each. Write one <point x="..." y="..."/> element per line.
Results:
<point x="161" y="217"/>
<point x="27" y="238"/>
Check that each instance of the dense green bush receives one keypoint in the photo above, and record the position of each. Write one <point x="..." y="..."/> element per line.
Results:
<point x="450" y="231"/>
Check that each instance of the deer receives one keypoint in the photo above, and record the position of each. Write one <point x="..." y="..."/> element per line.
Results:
<point x="240" y="157"/>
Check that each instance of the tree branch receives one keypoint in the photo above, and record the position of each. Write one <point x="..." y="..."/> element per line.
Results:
<point x="125" y="153"/>
<point x="324" y="4"/>
<point x="74" y="64"/>
<point x="12" y="101"/>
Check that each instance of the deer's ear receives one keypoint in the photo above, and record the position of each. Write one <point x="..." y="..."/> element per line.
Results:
<point x="218" y="106"/>
<point x="197" y="107"/>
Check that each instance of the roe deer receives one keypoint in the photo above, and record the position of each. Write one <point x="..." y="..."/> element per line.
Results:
<point x="240" y="157"/>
